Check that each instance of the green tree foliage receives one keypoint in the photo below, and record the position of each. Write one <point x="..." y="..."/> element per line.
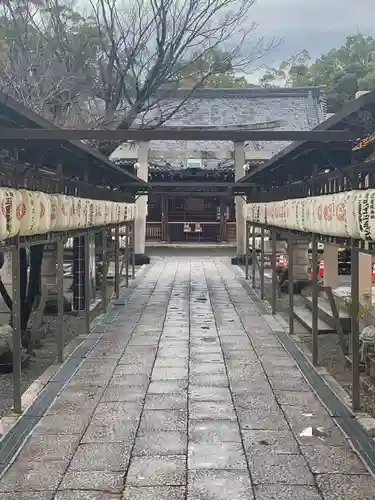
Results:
<point x="214" y="70"/>
<point x="227" y="81"/>
<point x="342" y="72"/>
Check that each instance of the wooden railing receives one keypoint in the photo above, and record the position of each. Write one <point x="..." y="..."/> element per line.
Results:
<point x="231" y="232"/>
<point x="153" y="231"/>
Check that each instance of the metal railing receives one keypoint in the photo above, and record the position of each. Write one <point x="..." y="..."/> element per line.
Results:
<point x="82" y="290"/>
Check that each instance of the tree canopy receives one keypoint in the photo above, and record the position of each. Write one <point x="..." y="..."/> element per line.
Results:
<point x="106" y="61"/>
<point x="342" y="71"/>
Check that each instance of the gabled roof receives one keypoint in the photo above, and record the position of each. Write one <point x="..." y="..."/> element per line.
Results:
<point x="357" y="114"/>
<point x="277" y="108"/>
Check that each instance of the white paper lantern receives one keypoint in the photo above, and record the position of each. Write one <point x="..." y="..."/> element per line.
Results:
<point x="292" y="214"/>
<point x="91" y="213"/>
<point x="327" y="213"/>
<point x="301" y="224"/>
<point x="44" y="212"/>
<point x="54" y="207"/>
<point x="99" y="213"/>
<point x="3" y="214"/>
<point x="309" y="215"/>
<point x="363" y="214"/>
<point x="116" y="212"/>
<point x="317" y="219"/>
<point x="125" y="212"/>
<point x="107" y="212"/>
<point x="352" y="219"/>
<point x="12" y="208"/>
<point x="338" y="225"/>
<point x="28" y="213"/>
<point x="262" y="213"/>
<point x="62" y="213"/>
<point x="79" y="212"/>
<point x="75" y="215"/>
<point x="371" y="202"/>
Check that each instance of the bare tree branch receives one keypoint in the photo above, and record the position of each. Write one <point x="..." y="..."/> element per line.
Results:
<point x="107" y="63"/>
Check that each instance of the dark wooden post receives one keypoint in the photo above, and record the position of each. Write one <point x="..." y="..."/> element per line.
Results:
<point x="166" y="219"/>
<point x="222" y="219"/>
<point x="162" y="210"/>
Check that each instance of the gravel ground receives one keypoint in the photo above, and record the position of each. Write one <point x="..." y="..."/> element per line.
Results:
<point x="330" y="354"/>
<point x="44" y="356"/>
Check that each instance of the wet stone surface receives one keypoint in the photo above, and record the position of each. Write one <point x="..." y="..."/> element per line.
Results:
<point x="187" y="396"/>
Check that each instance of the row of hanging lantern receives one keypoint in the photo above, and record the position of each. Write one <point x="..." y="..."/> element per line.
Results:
<point x="346" y="214"/>
<point x="27" y="213"/>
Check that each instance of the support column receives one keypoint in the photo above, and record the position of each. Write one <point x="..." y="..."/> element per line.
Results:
<point x="364" y="277"/>
<point x="84" y="269"/>
<point x="164" y="218"/>
<point x="291" y="284"/>
<point x="16" y="323"/>
<point x="239" y="161"/>
<point x="166" y="208"/>
<point x="141" y="207"/>
<point x="6" y="331"/>
<point x="262" y="294"/>
<point x="6" y="273"/>
<point x="354" y="337"/>
<point x="222" y="219"/>
<point x="49" y="281"/>
<point x="331" y="266"/>
<point x="117" y="262"/>
<point x="314" y="290"/>
<point x="274" y="275"/>
<point x="300" y="264"/>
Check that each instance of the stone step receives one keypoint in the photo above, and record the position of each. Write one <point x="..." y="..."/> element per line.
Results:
<point x="325" y="313"/>
<point x="304" y="316"/>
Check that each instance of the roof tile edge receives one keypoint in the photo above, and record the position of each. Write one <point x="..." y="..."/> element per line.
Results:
<point x="252" y="92"/>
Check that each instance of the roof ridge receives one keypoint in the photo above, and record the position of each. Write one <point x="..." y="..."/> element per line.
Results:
<point x="252" y="92"/>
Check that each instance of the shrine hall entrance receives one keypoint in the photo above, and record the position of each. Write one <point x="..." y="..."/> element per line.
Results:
<point x="190" y="219"/>
<point x="193" y="219"/>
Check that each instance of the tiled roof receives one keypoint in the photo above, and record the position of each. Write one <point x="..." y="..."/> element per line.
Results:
<point x="293" y="109"/>
<point x="279" y="109"/>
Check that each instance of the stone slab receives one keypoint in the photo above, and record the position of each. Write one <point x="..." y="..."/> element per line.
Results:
<point x="174" y="401"/>
<point x="110" y="482"/>
<point x="263" y="442"/>
<point x="288" y="469"/>
<point x="33" y="476"/>
<point x="161" y="443"/>
<point x="326" y="459"/>
<point x="219" y="485"/>
<point x="225" y="455"/>
<point x="157" y="471"/>
<point x="344" y="487"/>
<point x="163" y="420"/>
<point x="283" y="492"/>
<point x="214" y="431"/>
<point x="155" y="493"/>
<point x="85" y="495"/>
<point x="101" y="457"/>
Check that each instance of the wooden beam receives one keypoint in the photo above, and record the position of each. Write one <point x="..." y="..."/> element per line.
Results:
<point x="177" y="134"/>
<point x="199" y="194"/>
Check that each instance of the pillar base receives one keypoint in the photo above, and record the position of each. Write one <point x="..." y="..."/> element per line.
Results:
<point x="298" y="285"/>
<point x="51" y="306"/>
<point x="140" y="259"/>
<point x="240" y="260"/>
<point x="6" y="362"/>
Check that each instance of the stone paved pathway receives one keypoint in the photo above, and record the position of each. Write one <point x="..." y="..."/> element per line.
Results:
<point x="188" y="395"/>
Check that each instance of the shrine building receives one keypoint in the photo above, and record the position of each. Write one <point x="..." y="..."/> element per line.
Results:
<point x="189" y="180"/>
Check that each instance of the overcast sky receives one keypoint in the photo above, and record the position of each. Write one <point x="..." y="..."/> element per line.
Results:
<point x="316" y="25"/>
